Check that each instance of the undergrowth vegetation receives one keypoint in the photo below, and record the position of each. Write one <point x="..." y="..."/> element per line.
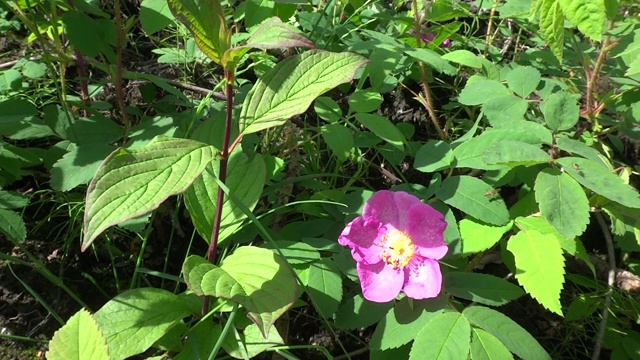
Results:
<point x="425" y="179"/>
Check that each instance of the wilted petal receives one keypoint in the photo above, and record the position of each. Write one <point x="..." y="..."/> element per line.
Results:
<point x="424" y="280"/>
<point x="360" y="235"/>
<point x="380" y="282"/>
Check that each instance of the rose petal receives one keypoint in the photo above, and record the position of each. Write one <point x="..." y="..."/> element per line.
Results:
<point x="380" y="282"/>
<point x="426" y="226"/>
<point x="382" y="207"/>
<point x="360" y="235"/>
<point x="424" y="280"/>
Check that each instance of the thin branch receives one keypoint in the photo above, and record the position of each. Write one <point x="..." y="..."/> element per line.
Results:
<point x="610" y="280"/>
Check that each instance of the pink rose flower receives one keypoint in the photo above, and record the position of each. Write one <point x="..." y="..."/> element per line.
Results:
<point x="396" y="244"/>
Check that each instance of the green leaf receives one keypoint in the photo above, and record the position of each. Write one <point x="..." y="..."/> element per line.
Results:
<point x="78" y="166"/>
<point x="10" y="80"/>
<point x="505" y="110"/>
<point x="324" y="285"/>
<point x="431" y="59"/>
<point x="79" y="339"/>
<point x="205" y="21"/>
<point x="12" y="200"/>
<point x="358" y="312"/>
<point x="480" y="91"/>
<point x="84" y="33"/>
<point x="291" y="86"/>
<point x="12" y="225"/>
<point x="482" y="288"/>
<point x="34" y="70"/>
<point x="401" y="324"/>
<point x="134" y="320"/>
<point x="85" y="131"/>
<point x="365" y="101"/>
<point x="246" y="176"/>
<point x="512" y="335"/>
<point x="464" y="57"/>
<point x="194" y="269"/>
<point x="561" y="111"/>
<point x="15" y="115"/>
<point x="328" y="109"/>
<point x="552" y="26"/>
<point x="485" y="346"/>
<point x="467" y="193"/>
<point x="383" y="128"/>
<point x="133" y="183"/>
<point x="523" y="80"/>
<point x="433" y="156"/>
<point x="478" y="236"/>
<point x="199" y="343"/>
<point x="515" y="153"/>
<point x="339" y="139"/>
<point x="539" y="266"/>
<point x="256" y="278"/>
<point x="447" y="336"/>
<point x="562" y="202"/>
<point x="541" y="224"/>
<point x="251" y="338"/>
<point x="470" y="153"/>
<point x="592" y="176"/>
<point x="155" y="15"/>
<point x="588" y="15"/>
<point x="576" y="147"/>
<point x="295" y="252"/>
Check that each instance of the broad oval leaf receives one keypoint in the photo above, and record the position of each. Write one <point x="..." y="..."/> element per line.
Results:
<point x="446" y="337"/>
<point x="12" y="225"/>
<point x="256" y="278"/>
<point x="134" y="320"/>
<point x="482" y="90"/>
<point x="485" y="346"/>
<point x="383" y="128"/>
<point x="79" y="339"/>
<point x="246" y="176"/>
<point x="474" y="197"/>
<point x="561" y="111"/>
<point x="515" y="153"/>
<point x="539" y="266"/>
<point x="482" y="288"/>
<point x="562" y="202"/>
<point x="433" y="156"/>
<point x="592" y="176"/>
<point x="133" y="183"/>
<point x="193" y="270"/>
<point x="324" y="285"/>
<point x="523" y="80"/>
<point x="512" y="335"/>
<point x="478" y="236"/>
<point x="289" y="88"/>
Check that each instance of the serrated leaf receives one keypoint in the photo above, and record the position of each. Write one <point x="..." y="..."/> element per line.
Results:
<point x="512" y="335"/>
<point x="505" y="110"/>
<point x="246" y="176"/>
<point x="433" y="156"/>
<point x="79" y="339"/>
<point x="324" y="285"/>
<point x="485" y="346"/>
<point x="383" y="128"/>
<point x="282" y="93"/>
<point x="401" y="325"/>
<point x="133" y="183"/>
<point x="539" y="267"/>
<point x="538" y="223"/>
<point x="12" y="200"/>
<point x="482" y="288"/>
<point x="134" y="320"/>
<point x="447" y="336"/>
<point x="358" y="312"/>
<point x="480" y="91"/>
<point x="256" y="278"/>
<point x="561" y="111"/>
<point x="205" y="21"/>
<point x="478" y="236"/>
<point x="576" y="147"/>
<point x="12" y="225"/>
<point x="470" y="153"/>
<point x="467" y="193"/>
<point x="562" y="202"/>
<point x="588" y="15"/>
<point x="515" y="153"/>
<point x="523" y="80"/>
<point x="552" y="26"/>
<point x="592" y="176"/>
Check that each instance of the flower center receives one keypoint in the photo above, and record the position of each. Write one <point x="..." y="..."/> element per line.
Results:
<point x="398" y="249"/>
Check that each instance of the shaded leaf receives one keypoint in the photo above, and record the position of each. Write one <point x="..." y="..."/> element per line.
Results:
<point x="523" y="80"/>
<point x="485" y="346"/>
<point x="467" y="193"/>
<point x="561" y="111"/>
<point x="12" y="225"/>
<point x="482" y="288"/>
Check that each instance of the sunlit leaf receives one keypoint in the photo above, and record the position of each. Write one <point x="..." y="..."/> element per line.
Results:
<point x="79" y="339"/>
<point x="447" y="336"/>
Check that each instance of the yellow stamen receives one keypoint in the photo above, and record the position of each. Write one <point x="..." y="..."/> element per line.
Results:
<point x="398" y="249"/>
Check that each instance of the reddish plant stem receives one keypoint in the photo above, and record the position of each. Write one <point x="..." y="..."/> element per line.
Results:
<point x="222" y="176"/>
